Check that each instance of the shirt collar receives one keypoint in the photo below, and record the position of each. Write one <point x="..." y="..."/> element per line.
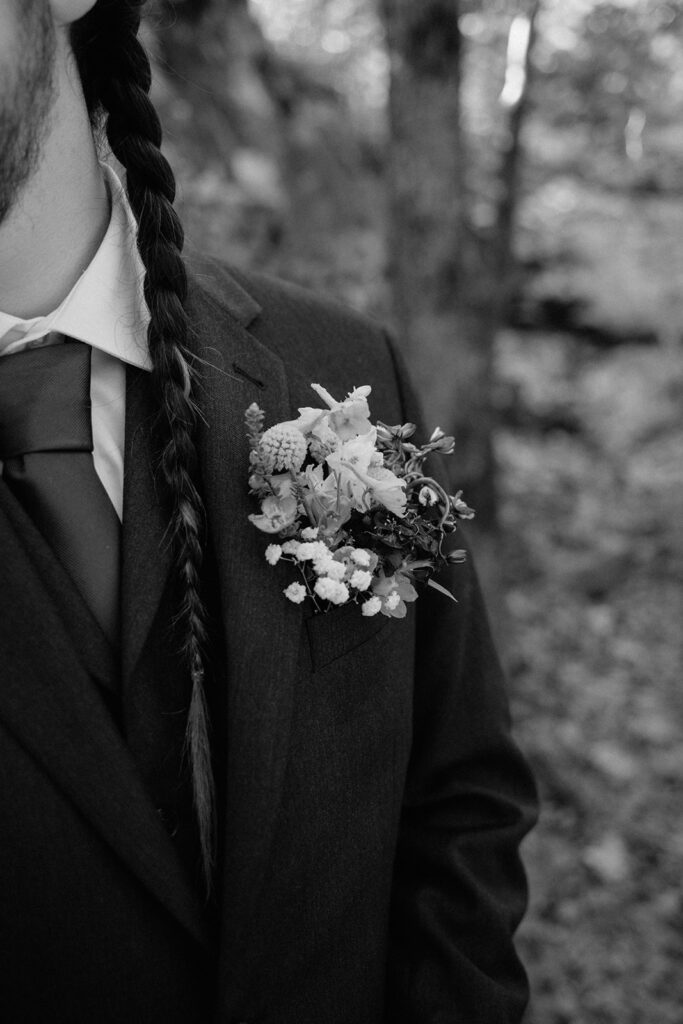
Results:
<point x="106" y="307"/>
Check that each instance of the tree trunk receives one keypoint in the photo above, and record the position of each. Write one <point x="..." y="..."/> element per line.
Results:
<point x="515" y="100"/>
<point x="219" y="59"/>
<point x="440" y="278"/>
<point x="451" y="285"/>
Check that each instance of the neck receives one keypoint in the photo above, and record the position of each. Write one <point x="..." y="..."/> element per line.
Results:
<point x="56" y="226"/>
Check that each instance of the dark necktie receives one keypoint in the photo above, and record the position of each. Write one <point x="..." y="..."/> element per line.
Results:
<point x="46" y="448"/>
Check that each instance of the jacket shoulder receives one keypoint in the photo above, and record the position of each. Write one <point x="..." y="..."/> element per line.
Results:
<point x="308" y="312"/>
<point x="318" y="338"/>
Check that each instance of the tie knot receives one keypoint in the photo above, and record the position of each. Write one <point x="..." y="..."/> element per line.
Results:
<point x="45" y="400"/>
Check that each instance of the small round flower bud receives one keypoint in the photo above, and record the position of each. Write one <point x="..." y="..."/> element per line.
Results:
<point x="283" y="448"/>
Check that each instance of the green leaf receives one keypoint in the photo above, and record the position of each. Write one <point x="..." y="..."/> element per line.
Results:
<point x="442" y="590"/>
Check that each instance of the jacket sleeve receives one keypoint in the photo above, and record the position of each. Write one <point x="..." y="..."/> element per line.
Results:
<point x="459" y="888"/>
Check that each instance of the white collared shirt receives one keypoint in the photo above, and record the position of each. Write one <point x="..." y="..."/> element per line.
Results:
<point x="107" y="310"/>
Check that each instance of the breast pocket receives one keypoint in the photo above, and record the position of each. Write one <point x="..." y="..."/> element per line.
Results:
<point x="333" y="634"/>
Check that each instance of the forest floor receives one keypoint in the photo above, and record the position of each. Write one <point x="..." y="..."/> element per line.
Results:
<point x="594" y="561"/>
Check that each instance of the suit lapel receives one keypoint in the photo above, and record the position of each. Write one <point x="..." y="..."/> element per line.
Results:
<point x="49" y="702"/>
<point x="262" y="630"/>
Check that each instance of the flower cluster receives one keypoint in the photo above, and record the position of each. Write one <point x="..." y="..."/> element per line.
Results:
<point x="350" y="504"/>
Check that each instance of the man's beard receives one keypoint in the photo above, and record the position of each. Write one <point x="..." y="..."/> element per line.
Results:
<point x="26" y="96"/>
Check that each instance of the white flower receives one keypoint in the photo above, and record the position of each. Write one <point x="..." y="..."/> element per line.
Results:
<point x="355" y="453"/>
<point x="372" y="606"/>
<point x="335" y="570"/>
<point x="290" y="547"/>
<point x="322" y="563"/>
<point x="323" y="498"/>
<point x="340" y="421"/>
<point x="310" y="533"/>
<point x="427" y="496"/>
<point x="350" y="417"/>
<point x="320" y="447"/>
<point x="361" y="580"/>
<point x="388" y="489"/>
<point x="361" y="557"/>
<point x="273" y="554"/>
<point x="282" y="485"/>
<point x="462" y="508"/>
<point x="349" y="465"/>
<point x="308" y="420"/>
<point x="395" y="591"/>
<point x="312" y="549"/>
<point x="362" y="476"/>
<point x="332" y="590"/>
<point x="296" y="592"/>
<point x="276" y="514"/>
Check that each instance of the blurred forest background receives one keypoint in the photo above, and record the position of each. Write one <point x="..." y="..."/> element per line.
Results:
<point x="502" y="181"/>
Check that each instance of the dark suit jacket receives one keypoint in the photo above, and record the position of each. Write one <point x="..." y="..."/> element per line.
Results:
<point x="373" y="801"/>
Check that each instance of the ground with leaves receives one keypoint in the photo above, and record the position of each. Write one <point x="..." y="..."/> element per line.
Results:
<point x="594" y="564"/>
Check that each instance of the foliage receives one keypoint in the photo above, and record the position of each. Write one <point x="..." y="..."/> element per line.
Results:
<point x="605" y="120"/>
<point x="609" y="90"/>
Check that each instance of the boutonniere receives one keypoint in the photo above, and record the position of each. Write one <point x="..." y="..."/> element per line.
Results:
<point x="351" y="506"/>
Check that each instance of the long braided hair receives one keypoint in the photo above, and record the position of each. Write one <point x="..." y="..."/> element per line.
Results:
<point x="116" y="77"/>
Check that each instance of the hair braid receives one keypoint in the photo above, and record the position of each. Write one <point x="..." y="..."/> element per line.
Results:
<point x="116" y="76"/>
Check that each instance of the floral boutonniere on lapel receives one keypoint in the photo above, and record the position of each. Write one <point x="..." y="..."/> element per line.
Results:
<point x="351" y="506"/>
